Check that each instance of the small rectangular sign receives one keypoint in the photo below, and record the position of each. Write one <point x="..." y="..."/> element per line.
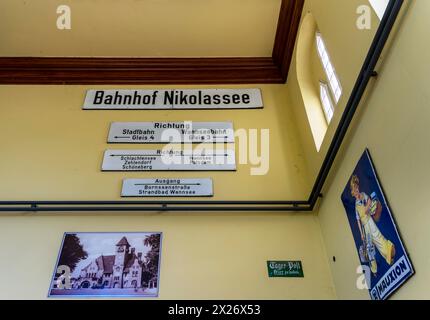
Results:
<point x="167" y="187"/>
<point x="169" y="160"/>
<point x="173" y="99"/>
<point x="285" y="269"/>
<point x="171" y="132"/>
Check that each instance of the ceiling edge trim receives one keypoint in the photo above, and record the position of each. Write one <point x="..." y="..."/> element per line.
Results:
<point x="119" y="70"/>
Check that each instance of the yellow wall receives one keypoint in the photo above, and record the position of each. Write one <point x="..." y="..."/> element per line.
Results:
<point x="347" y="46"/>
<point x="57" y="148"/>
<point x="393" y="124"/>
<point x="309" y="73"/>
<point x="204" y="255"/>
<point x="223" y="255"/>
<point x="54" y="151"/>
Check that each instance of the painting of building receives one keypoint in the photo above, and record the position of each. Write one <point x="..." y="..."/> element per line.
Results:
<point x="110" y="265"/>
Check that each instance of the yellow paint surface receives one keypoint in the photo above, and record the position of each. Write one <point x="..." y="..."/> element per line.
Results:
<point x="149" y="28"/>
<point x="51" y="149"/>
<point x="204" y="255"/>
<point x="393" y="123"/>
<point x="347" y="46"/>
<point x="54" y="151"/>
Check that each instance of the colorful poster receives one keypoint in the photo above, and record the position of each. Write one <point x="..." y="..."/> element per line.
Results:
<point x="383" y="256"/>
<point x="120" y="264"/>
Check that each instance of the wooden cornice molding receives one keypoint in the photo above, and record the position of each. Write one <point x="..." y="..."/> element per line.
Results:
<point x="116" y="70"/>
<point x="21" y="70"/>
<point x="286" y="35"/>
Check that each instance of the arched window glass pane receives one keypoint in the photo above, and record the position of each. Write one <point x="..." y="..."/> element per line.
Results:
<point x="330" y="72"/>
<point x="326" y="102"/>
<point x="379" y="6"/>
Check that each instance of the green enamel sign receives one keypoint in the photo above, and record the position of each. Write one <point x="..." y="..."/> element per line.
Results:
<point x="285" y="269"/>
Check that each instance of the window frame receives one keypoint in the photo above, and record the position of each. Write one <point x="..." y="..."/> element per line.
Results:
<point x="324" y="88"/>
<point x="329" y="70"/>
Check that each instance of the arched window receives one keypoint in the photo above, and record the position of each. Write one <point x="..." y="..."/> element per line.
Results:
<point x="329" y="70"/>
<point x="309" y="74"/>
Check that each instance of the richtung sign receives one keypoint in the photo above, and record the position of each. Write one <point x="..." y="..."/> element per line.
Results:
<point x="171" y="132"/>
<point x="165" y="160"/>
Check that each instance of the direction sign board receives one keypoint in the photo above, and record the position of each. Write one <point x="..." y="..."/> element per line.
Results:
<point x="169" y="160"/>
<point x="167" y="187"/>
<point x="171" y="132"/>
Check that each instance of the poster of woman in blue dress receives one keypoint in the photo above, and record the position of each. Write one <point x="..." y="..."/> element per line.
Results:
<point x="377" y="240"/>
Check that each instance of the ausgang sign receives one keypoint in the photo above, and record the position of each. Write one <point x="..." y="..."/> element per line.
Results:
<point x="166" y="160"/>
<point x="171" y="132"/>
<point x="167" y="187"/>
<point x="173" y="99"/>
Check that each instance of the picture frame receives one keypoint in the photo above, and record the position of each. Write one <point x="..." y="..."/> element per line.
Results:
<point x="107" y="264"/>
<point x="383" y="256"/>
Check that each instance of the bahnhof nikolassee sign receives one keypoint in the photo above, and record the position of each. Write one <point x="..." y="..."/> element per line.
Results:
<point x="173" y="99"/>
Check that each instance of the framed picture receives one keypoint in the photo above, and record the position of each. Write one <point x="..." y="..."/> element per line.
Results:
<point x="120" y="264"/>
<point x="383" y="257"/>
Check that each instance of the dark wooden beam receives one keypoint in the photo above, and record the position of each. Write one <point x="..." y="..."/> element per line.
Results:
<point x="286" y="34"/>
<point x="116" y="70"/>
<point x="137" y="71"/>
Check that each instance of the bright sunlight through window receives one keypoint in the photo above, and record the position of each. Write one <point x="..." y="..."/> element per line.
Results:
<point x="332" y="78"/>
<point x="326" y="101"/>
<point x="379" y="6"/>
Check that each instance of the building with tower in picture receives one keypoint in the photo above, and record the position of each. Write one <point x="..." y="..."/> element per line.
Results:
<point x="122" y="270"/>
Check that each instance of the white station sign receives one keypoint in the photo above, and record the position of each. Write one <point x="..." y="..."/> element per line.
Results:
<point x="169" y="160"/>
<point x="173" y="99"/>
<point x="167" y="187"/>
<point x="167" y="132"/>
